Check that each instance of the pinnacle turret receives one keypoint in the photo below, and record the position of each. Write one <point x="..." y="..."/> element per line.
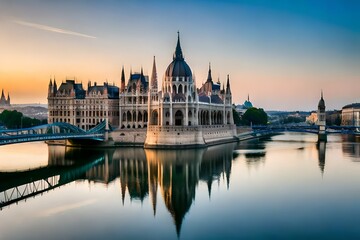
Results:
<point x="154" y="83"/>
<point x="209" y="78"/>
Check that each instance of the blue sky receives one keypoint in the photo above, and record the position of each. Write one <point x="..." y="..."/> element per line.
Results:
<point x="280" y="52"/>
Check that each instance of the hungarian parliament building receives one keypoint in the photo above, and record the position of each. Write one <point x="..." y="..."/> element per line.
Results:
<point x="141" y="112"/>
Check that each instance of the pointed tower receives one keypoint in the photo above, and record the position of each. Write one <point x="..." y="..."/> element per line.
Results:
<point x="154" y="82"/>
<point x="8" y="99"/>
<point x="321" y="120"/>
<point x="2" y="99"/>
<point x="122" y="85"/>
<point x="2" y="94"/>
<point x="54" y="87"/>
<point x="228" y="90"/>
<point x="50" y="89"/>
<point x="209" y="78"/>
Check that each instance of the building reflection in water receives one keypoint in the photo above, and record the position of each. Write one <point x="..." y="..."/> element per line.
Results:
<point x="177" y="173"/>
<point x="321" y="147"/>
<point x="253" y="150"/>
<point x="351" y="146"/>
<point x="142" y="173"/>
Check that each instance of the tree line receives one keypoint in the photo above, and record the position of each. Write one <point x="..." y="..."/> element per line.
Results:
<point x="252" y="116"/>
<point x="15" y="119"/>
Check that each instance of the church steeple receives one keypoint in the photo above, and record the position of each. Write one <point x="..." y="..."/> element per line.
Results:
<point x="178" y="52"/>
<point x="209" y="78"/>
<point x="154" y="83"/>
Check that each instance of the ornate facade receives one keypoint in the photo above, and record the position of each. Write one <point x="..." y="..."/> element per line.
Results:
<point x="181" y="114"/>
<point x="178" y="114"/>
<point x="70" y="103"/>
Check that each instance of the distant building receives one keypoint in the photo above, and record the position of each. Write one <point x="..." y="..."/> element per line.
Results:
<point x="3" y="101"/>
<point x="70" y="103"/>
<point x="333" y="117"/>
<point x="350" y="115"/>
<point x="321" y="122"/>
<point x="241" y="108"/>
<point x="312" y="119"/>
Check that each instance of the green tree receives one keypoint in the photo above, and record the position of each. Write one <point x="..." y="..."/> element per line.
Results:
<point x="236" y="116"/>
<point x="15" y="119"/>
<point x="255" y="116"/>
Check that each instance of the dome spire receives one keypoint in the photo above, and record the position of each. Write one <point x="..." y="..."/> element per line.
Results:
<point x="178" y="52"/>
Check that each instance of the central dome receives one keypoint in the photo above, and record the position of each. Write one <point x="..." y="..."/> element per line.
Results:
<point x="178" y="67"/>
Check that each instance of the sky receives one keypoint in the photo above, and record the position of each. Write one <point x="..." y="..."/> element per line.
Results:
<point x="282" y="53"/>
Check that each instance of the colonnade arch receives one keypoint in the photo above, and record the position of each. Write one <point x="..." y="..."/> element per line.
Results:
<point x="206" y="117"/>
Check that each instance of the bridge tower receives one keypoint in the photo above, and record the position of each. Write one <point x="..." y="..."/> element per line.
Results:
<point x="321" y="122"/>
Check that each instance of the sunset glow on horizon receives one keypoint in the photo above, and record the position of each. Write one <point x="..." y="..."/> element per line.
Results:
<point x="280" y="53"/>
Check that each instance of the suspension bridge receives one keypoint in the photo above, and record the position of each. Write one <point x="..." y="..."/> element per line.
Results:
<point x="258" y="131"/>
<point x="54" y="131"/>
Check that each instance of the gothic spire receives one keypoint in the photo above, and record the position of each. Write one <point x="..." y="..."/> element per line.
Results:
<point x="154" y="83"/>
<point x="55" y="85"/>
<point x="209" y="78"/>
<point x="122" y="86"/>
<point x="2" y="94"/>
<point x="228" y="91"/>
<point x="178" y="52"/>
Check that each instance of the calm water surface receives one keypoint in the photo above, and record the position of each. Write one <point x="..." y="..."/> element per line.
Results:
<point x="281" y="187"/>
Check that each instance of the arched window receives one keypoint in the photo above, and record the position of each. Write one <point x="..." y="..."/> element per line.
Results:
<point x="139" y="117"/>
<point x="154" y="118"/>
<point x="145" y="116"/>
<point x="180" y="89"/>
<point x="179" y="118"/>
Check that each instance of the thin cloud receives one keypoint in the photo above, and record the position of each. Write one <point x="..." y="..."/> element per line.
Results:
<point x="51" y="29"/>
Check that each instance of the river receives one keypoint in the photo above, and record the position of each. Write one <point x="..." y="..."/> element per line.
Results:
<point x="280" y="187"/>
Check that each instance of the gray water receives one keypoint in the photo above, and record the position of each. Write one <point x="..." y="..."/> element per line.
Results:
<point x="281" y="187"/>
